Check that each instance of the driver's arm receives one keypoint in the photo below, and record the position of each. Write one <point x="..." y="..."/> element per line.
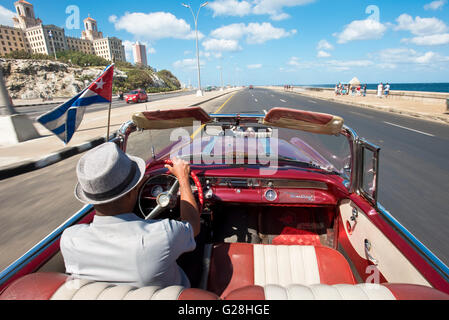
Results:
<point x="189" y="207"/>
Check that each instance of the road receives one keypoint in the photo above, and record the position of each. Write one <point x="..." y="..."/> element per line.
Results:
<point x="414" y="177"/>
<point x="35" y="111"/>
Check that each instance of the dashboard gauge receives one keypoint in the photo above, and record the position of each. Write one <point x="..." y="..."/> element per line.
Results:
<point x="271" y="195"/>
<point x="157" y="190"/>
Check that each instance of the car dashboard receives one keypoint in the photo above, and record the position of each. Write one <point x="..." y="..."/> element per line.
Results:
<point x="266" y="191"/>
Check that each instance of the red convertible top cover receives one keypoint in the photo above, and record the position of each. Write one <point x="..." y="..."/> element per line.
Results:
<point x="169" y="119"/>
<point x="304" y="120"/>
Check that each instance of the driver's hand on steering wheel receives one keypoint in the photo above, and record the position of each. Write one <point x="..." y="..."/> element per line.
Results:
<point x="180" y="169"/>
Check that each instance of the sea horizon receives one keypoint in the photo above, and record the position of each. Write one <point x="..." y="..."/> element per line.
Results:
<point x="442" y="87"/>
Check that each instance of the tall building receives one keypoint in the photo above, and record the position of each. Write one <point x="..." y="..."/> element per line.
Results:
<point x="140" y="54"/>
<point x="25" y="15"/>
<point x="91" y="30"/>
<point x="30" y="34"/>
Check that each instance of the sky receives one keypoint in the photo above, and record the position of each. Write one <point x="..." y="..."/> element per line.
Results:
<point x="272" y="42"/>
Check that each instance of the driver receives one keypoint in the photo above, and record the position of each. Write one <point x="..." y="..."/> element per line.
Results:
<point x="119" y="247"/>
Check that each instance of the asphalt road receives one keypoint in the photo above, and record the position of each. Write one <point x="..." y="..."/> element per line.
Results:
<point x="35" y="111"/>
<point x="414" y="177"/>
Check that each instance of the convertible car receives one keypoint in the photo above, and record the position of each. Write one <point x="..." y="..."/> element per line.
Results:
<point x="289" y="211"/>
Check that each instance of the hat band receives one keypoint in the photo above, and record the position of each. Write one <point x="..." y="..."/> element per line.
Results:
<point x="117" y="190"/>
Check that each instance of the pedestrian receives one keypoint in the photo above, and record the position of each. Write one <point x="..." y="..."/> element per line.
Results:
<point x="387" y="90"/>
<point x="380" y="89"/>
<point x="364" y="90"/>
<point x="336" y="89"/>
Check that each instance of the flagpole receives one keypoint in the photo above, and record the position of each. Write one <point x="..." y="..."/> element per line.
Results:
<point x="109" y="113"/>
<point x="109" y="121"/>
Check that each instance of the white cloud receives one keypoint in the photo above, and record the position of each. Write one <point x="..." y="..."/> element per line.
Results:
<point x="273" y="8"/>
<point x="260" y="33"/>
<point x="323" y="54"/>
<point x="324" y="45"/>
<point x="420" y="26"/>
<point x="255" y="33"/>
<point x="254" y="66"/>
<point x="6" y="16"/>
<point x="230" y="8"/>
<point x="410" y="56"/>
<point x="294" y="61"/>
<point x="187" y="64"/>
<point x="221" y="45"/>
<point x="432" y="40"/>
<point x="435" y="5"/>
<point x="113" y="19"/>
<point x="347" y="65"/>
<point x="233" y="31"/>
<point x="280" y="16"/>
<point x="153" y="26"/>
<point x="368" y="29"/>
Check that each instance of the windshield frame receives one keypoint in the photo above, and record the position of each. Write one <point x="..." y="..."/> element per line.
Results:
<point x="350" y="179"/>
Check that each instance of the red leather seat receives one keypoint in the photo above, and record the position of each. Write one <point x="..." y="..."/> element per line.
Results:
<point x="56" y="286"/>
<point x="338" y="292"/>
<point x="239" y="265"/>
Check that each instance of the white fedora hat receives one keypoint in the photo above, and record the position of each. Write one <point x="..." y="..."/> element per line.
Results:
<point x="106" y="174"/>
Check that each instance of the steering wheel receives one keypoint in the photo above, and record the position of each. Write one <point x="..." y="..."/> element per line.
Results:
<point x="168" y="199"/>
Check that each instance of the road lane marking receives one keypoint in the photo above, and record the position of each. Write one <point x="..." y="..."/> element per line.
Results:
<point x="396" y="125"/>
<point x="313" y="101"/>
<point x="361" y="115"/>
<point x="218" y="110"/>
<point x="256" y="100"/>
<point x="283" y="101"/>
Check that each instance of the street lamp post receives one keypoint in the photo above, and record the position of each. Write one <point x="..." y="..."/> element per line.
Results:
<point x="221" y="77"/>
<point x="50" y="34"/>
<point x="195" y="18"/>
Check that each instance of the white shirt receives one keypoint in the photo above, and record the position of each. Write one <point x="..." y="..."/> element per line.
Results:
<point x="128" y="250"/>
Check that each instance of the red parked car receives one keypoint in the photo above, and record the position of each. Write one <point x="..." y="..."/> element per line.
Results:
<point x="137" y="96"/>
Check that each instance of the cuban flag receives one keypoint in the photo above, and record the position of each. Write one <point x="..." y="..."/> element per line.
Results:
<point x="66" y="119"/>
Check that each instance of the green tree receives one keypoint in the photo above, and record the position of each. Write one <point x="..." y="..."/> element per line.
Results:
<point x="81" y="59"/>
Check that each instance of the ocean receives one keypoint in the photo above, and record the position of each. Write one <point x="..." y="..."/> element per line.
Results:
<point x="424" y="87"/>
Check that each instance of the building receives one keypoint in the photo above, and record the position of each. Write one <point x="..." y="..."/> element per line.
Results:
<point x="46" y="39"/>
<point x="30" y="34"/>
<point x="12" y="39"/>
<point x="25" y="15"/>
<point x="140" y="54"/>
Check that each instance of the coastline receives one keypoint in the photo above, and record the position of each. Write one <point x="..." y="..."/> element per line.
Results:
<point x="437" y="87"/>
<point x="433" y="106"/>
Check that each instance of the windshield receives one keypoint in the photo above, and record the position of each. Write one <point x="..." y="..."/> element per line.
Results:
<point x="246" y="146"/>
<point x="134" y="92"/>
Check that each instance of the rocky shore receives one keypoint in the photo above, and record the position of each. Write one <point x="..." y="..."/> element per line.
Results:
<point x="34" y="79"/>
